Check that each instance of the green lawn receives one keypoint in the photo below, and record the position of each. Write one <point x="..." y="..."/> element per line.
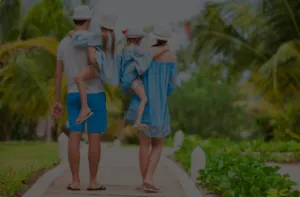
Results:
<point x="19" y="161"/>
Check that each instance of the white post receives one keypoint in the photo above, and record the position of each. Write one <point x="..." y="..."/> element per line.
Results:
<point x="63" y="146"/>
<point x="198" y="161"/>
<point x="117" y="143"/>
<point x="178" y="140"/>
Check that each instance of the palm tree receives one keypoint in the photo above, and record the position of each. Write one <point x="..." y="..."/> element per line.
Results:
<point x="28" y="57"/>
<point x="265" y="41"/>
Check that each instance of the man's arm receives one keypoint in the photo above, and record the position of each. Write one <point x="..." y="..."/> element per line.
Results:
<point x="58" y="80"/>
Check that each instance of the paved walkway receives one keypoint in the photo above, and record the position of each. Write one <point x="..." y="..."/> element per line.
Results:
<point x="291" y="169"/>
<point x="119" y="172"/>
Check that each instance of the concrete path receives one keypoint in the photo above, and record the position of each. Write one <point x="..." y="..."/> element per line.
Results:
<point x="293" y="170"/>
<point x="119" y="172"/>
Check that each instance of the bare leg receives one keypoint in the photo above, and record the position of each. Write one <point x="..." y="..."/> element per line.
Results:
<point x="144" y="143"/>
<point x="94" y="158"/>
<point x="157" y="146"/>
<point x="74" y="157"/>
<point x="86" y="74"/>
<point x="139" y="90"/>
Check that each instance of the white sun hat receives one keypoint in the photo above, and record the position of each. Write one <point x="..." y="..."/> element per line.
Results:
<point x="82" y="12"/>
<point x="162" y="32"/>
<point x="134" y="32"/>
<point x="108" y="21"/>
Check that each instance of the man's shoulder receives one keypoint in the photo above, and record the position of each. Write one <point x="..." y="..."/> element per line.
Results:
<point x="66" y="40"/>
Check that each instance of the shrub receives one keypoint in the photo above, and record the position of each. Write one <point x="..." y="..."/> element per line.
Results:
<point x="204" y="106"/>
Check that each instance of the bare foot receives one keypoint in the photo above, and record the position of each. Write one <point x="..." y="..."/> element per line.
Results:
<point x="85" y="113"/>
<point x="150" y="188"/>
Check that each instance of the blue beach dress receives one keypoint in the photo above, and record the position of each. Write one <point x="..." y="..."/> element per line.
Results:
<point x="134" y="61"/>
<point x="108" y="65"/>
<point x="159" y="82"/>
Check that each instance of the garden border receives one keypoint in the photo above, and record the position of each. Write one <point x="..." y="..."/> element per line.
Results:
<point x="188" y="185"/>
<point x="43" y="183"/>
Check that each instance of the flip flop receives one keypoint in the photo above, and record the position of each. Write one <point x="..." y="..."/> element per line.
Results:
<point x="149" y="188"/>
<point x="85" y="117"/>
<point x="101" y="188"/>
<point x="71" y="188"/>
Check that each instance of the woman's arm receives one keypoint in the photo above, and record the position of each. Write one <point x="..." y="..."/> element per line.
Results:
<point x="155" y="51"/>
<point x="152" y="51"/>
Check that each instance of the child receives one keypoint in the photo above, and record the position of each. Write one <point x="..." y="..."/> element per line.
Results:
<point x="134" y="62"/>
<point x="102" y="57"/>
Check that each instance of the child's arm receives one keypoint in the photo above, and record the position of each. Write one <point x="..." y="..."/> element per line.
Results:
<point x="80" y="38"/>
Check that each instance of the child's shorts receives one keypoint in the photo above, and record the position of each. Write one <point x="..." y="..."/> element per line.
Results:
<point x="135" y="83"/>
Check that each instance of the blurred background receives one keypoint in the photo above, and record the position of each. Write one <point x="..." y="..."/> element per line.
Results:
<point x="238" y="63"/>
<point x="238" y="88"/>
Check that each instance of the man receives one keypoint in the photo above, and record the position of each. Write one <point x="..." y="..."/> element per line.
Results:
<point x="71" y="61"/>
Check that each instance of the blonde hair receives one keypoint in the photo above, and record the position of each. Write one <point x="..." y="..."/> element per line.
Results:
<point x="105" y="33"/>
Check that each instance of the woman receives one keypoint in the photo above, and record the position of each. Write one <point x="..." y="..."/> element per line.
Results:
<point x="159" y="83"/>
<point x="135" y="60"/>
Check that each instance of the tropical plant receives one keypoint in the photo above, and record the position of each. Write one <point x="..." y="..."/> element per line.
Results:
<point x="210" y="107"/>
<point x="265" y="40"/>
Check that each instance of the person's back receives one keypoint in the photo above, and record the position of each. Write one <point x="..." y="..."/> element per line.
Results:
<point x="75" y="60"/>
<point x="72" y="60"/>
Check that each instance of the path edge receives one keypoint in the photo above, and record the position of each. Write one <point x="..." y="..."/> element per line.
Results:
<point x="188" y="185"/>
<point x="42" y="184"/>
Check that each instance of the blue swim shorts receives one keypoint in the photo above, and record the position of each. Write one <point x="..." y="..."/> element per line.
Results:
<point x="97" y="123"/>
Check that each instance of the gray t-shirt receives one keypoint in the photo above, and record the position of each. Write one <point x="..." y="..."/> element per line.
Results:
<point x="75" y="60"/>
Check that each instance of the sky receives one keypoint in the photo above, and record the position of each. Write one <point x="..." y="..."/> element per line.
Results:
<point x="142" y="13"/>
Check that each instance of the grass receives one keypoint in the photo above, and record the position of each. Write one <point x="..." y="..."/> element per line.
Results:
<point x="20" y="162"/>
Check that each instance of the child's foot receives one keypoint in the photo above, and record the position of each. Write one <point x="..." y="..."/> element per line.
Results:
<point x="141" y="126"/>
<point x="84" y="114"/>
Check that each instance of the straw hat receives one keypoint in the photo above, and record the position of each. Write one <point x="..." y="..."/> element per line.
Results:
<point x="162" y="32"/>
<point x="108" y="21"/>
<point x="134" y="32"/>
<point x="82" y="12"/>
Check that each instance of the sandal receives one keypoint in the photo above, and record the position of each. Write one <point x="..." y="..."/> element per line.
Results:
<point x="100" y="188"/>
<point x="86" y="116"/>
<point x="71" y="188"/>
<point x="149" y="188"/>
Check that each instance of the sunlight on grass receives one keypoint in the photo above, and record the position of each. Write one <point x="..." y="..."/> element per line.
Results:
<point x="20" y="160"/>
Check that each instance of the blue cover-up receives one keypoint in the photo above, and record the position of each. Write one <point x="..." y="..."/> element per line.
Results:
<point x="159" y="82"/>
<point x="108" y="65"/>
<point x="134" y="61"/>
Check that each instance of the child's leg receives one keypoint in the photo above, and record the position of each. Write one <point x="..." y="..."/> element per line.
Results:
<point x="139" y="90"/>
<point x="86" y="74"/>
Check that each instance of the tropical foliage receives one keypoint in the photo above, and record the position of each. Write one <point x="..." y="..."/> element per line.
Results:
<point x="264" y="40"/>
<point x="231" y="166"/>
<point x="261" y="38"/>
